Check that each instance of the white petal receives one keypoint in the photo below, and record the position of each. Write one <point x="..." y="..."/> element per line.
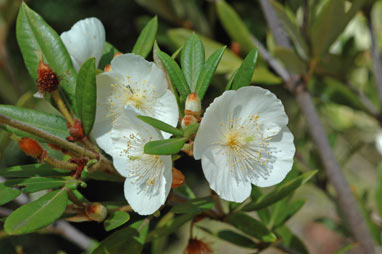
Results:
<point x="144" y="202"/>
<point x="166" y="110"/>
<point x="138" y="70"/>
<point x="209" y="132"/>
<point x="129" y="135"/>
<point x="281" y="159"/>
<point x="104" y="114"/>
<point x="85" y="39"/>
<point x="221" y="178"/>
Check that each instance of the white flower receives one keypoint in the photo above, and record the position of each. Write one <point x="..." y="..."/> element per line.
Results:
<point x="136" y="83"/>
<point x="85" y="39"/>
<point x="148" y="177"/>
<point x="378" y="142"/>
<point x="243" y="140"/>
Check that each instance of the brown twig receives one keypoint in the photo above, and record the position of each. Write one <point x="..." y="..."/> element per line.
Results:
<point x="346" y="199"/>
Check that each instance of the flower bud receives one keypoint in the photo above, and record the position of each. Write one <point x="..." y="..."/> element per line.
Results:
<point x="76" y="131"/>
<point x="193" y="105"/>
<point x="107" y="68"/>
<point x="31" y="148"/>
<point x="96" y="212"/>
<point x="117" y="54"/>
<point x="47" y="79"/>
<point x="236" y="48"/>
<point x="196" y="246"/>
<point x="177" y="178"/>
<point x="188" y="120"/>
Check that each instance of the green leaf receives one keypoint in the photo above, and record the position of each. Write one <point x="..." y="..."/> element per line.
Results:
<point x="37" y="40"/>
<point x="197" y="205"/>
<point x="290" y="60"/>
<point x="170" y="226"/>
<point x="290" y="240"/>
<point x="177" y="78"/>
<point x="230" y="81"/>
<point x="34" y="184"/>
<point x="165" y="147"/>
<point x="291" y="29"/>
<point x="108" y="55"/>
<point x="190" y="130"/>
<point x="33" y="170"/>
<point x="161" y="125"/>
<point x="37" y="214"/>
<point x="236" y="239"/>
<point x="234" y="26"/>
<point x="146" y="39"/>
<point x="283" y="211"/>
<point x="185" y="190"/>
<point x="207" y="72"/>
<point x="280" y="192"/>
<point x="53" y="124"/>
<point x="245" y="72"/>
<point x="105" y="176"/>
<point x="116" y="220"/>
<point x="323" y="32"/>
<point x="192" y="60"/>
<point x="251" y="226"/>
<point x="86" y="94"/>
<point x="127" y="240"/>
<point x="7" y="194"/>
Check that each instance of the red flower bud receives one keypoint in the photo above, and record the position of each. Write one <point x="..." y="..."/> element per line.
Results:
<point x="47" y="79"/>
<point x="193" y="105"/>
<point x="236" y="48"/>
<point x="188" y="120"/>
<point x="196" y="246"/>
<point x="76" y="132"/>
<point x="177" y="178"/>
<point x="31" y="148"/>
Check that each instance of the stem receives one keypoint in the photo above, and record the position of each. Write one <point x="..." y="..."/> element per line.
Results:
<point x="346" y="199"/>
<point x="49" y="137"/>
<point x="62" y="107"/>
<point x="60" y="164"/>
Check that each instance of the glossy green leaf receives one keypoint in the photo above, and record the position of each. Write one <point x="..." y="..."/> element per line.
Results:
<point x="290" y="60"/>
<point x="105" y="176"/>
<point x="7" y="194"/>
<point x="38" y="41"/>
<point x="161" y="125"/>
<point x="207" y="72"/>
<point x="53" y="124"/>
<point x="323" y="32"/>
<point x="192" y="60"/>
<point x="37" y="214"/>
<point x="170" y="226"/>
<point x="236" y="239"/>
<point x="246" y="70"/>
<point x="116" y="220"/>
<point x="185" y="190"/>
<point x="33" y="170"/>
<point x="108" y="54"/>
<point x="291" y="29"/>
<point x="251" y="226"/>
<point x="165" y="147"/>
<point x="127" y="240"/>
<point x="146" y="39"/>
<point x="86" y="94"/>
<point x="230" y="81"/>
<point x="194" y="206"/>
<point x="176" y="75"/>
<point x="290" y="240"/>
<point x="34" y="184"/>
<point x="280" y="192"/>
<point x="234" y="26"/>
<point x="229" y="62"/>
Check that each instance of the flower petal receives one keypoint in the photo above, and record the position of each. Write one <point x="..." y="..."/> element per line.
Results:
<point x="166" y="110"/>
<point x="144" y="200"/>
<point x="85" y="39"/>
<point x="221" y="177"/>
<point x="136" y="70"/>
<point x="281" y="160"/>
